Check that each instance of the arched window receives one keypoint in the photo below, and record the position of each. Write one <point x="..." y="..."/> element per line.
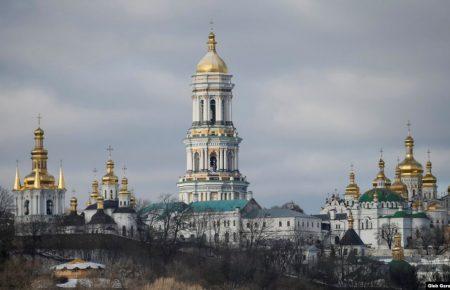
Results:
<point x="367" y="224"/>
<point x="227" y="237"/>
<point x="216" y="237"/>
<point x="213" y="162"/>
<point x="212" y="108"/>
<point x="27" y="207"/>
<point x="336" y="240"/>
<point x="124" y="231"/>
<point x="131" y="231"/>
<point x="234" y="237"/>
<point x="230" y="160"/>
<point x="196" y="161"/>
<point x="49" y="207"/>
<point x="200" y="115"/>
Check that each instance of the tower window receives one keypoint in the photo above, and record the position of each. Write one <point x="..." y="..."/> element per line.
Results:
<point x="49" y="207"/>
<point x="212" y="108"/>
<point x="213" y="162"/>
<point x="27" y="207"/>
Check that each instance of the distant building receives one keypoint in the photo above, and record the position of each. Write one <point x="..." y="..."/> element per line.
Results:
<point x="407" y="205"/>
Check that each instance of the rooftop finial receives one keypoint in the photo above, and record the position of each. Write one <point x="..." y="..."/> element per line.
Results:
<point x="211" y="25"/>
<point x="381" y="153"/>
<point x="408" y="124"/>
<point x="429" y="154"/>
<point x="124" y="170"/>
<point x="109" y="149"/>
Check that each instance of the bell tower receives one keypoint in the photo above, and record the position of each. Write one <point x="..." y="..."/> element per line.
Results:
<point x="212" y="142"/>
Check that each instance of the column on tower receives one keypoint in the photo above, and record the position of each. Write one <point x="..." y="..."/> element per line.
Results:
<point x="189" y="159"/>
<point x="205" y="109"/>
<point x="219" y="109"/>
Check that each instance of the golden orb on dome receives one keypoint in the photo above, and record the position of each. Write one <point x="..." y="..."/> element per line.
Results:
<point x="211" y="62"/>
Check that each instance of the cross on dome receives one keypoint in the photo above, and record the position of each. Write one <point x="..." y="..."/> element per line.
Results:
<point x="39" y="118"/>
<point x="109" y="149"/>
<point x="408" y="124"/>
<point x="124" y="170"/>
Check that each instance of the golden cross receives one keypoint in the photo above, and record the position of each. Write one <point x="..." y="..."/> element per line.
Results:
<point x="211" y="25"/>
<point x="409" y="127"/>
<point x="39" y="117"/>
<point x="124" y="170"/>
<point x="109" y="149"/>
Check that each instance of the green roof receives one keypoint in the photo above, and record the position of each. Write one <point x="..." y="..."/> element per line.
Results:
<point x="164" y="207"/>
<point x="404" y="214"/>
<point x="384" y="194"/>
<point x="218" y="205"/>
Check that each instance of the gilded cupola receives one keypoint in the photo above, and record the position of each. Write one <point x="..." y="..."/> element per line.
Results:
<point x="110" y="177"/>
<point x="381" y="181"/>
<point x="211" y="62"/>
<point x="397" y="249"/>
<point x="429" y="180"/>
<point x="398" y="186"/>
<point x="409" y="166"/>
<point x="352" y="188"/>
<point x="73" y="204"/>
<point x="94" y="192"/>
<point x="39" y="176"/>
<point x="124" y="187"/>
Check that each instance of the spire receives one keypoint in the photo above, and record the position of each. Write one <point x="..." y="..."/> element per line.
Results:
<point x="61" y="182"/>
<point x="37" y="178"/>
<point x="397" y="250"/>
<point x="17" y="184"/>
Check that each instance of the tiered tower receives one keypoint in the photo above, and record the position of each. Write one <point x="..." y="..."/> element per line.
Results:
<point x="411" y="170"/>
<point x="39" y="195"/>
<point x="212" y="142"/>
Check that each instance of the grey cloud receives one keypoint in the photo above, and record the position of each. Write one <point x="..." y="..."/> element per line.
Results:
<point x="319" y="85"/>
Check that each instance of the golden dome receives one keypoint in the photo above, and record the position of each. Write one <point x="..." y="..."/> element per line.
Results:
<point x="211" y="62"/>
<point x="39" y="156"/>
<point x="352" y="188"/>
<point x="433" y="206"/>
<point x="409" y="166"/>
<point x="429" y="179"/>
<point x="110" y="177"/>
<point x="381" y="176"/>
<point x="398" y="186"/>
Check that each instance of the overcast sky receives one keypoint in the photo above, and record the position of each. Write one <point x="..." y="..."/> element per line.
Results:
<point x="319" y="85"/>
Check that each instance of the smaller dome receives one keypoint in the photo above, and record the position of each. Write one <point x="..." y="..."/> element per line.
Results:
<point x="39" y="132"/>
<point x="211" y="62"/>
<point x="383" y="194"/>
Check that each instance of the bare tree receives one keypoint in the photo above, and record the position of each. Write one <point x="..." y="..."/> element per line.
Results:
<point x="255" y="232"/>
<point x="6" y="222"/>
<point x="387" y="233"/>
